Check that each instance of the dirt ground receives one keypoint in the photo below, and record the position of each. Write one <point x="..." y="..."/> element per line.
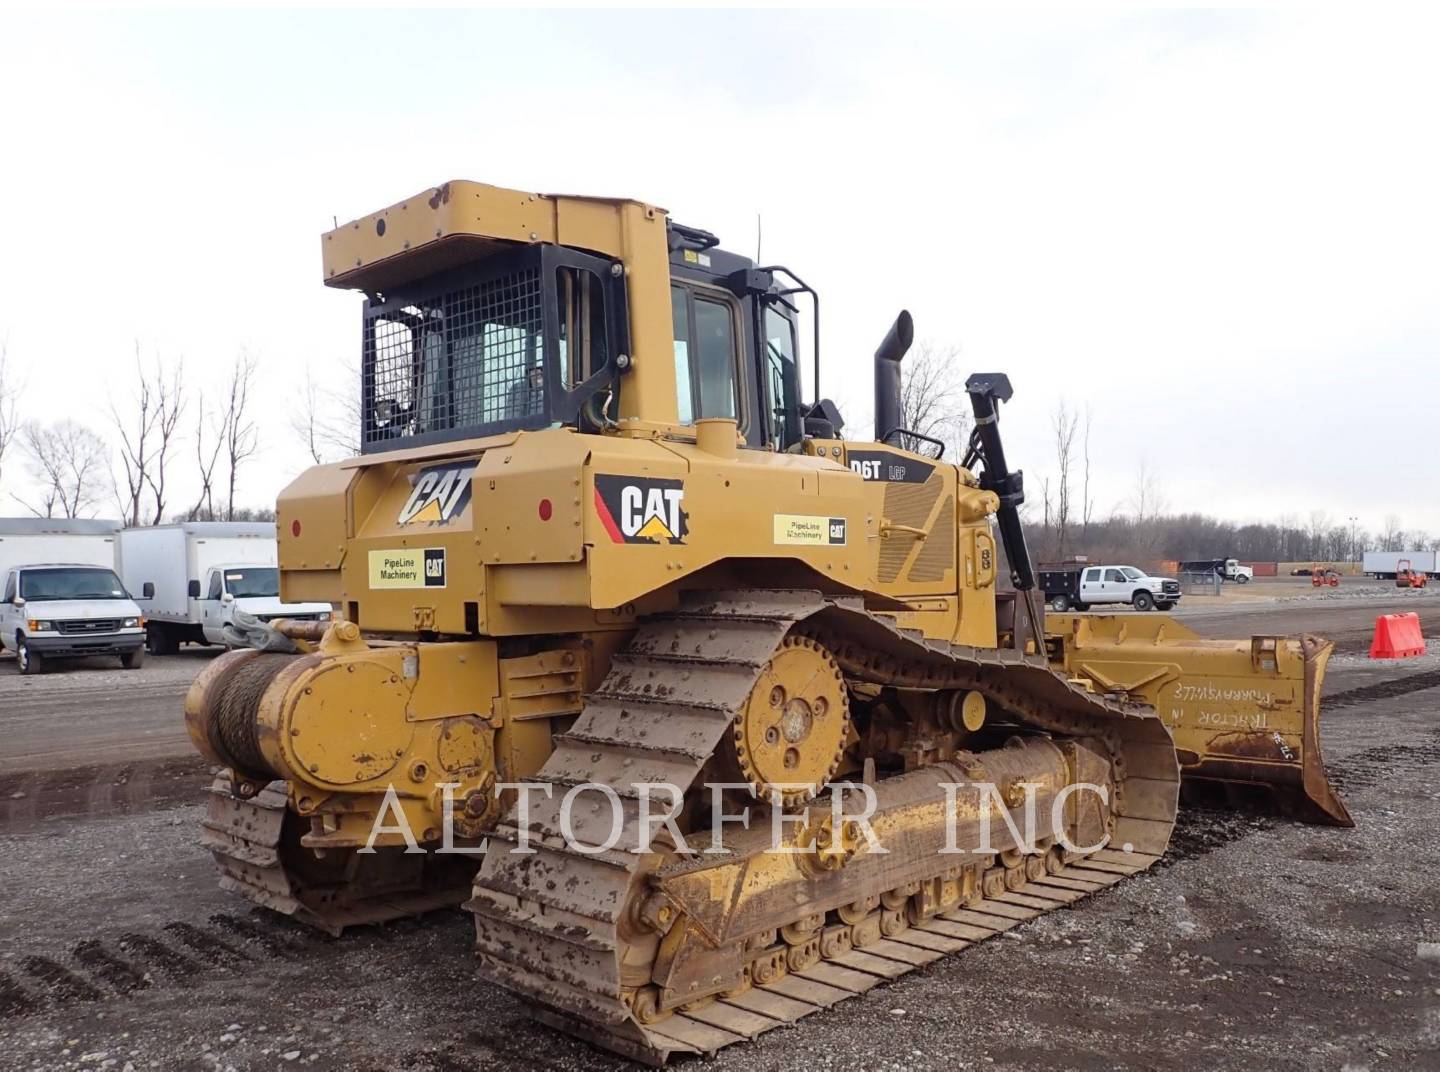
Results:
<point x="1257" y="942"/>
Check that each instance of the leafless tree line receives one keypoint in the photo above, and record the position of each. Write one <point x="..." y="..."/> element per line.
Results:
<point x="72" y="463"/>
<point x="1141" y="529"/>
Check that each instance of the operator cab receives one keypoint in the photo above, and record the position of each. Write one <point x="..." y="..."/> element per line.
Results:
<point x="526" y="336"/>
<point x="736" y="339"/>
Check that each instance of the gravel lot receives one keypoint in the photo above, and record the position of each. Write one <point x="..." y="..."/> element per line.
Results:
<point x="1257" y="943"/>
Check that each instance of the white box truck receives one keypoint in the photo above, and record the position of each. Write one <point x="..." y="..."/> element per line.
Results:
<point x="1383" y="564"/>
<point x="60" y="597"/>
<point x="190" y="578"/>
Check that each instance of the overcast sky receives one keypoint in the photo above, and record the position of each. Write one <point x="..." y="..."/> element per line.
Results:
<point x="1219" y="231"/>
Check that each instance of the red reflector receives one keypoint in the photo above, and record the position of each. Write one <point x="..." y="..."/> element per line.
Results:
<point x="545" y="510"/>
<point x="295" y="527"/>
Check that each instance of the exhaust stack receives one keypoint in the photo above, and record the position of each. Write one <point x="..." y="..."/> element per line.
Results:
<point x="888" y="414"/>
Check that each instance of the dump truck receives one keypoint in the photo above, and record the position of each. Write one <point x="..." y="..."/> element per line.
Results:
<point x="1227" y="569"/>
<point x="701" y="705"/>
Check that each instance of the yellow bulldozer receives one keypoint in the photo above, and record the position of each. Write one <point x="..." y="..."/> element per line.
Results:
<point x="599" y="560"/>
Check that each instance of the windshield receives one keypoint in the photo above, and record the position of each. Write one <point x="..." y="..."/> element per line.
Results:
<point x="71" y="583"/>
<point x="1131" y="573"/>
<point x="253" y="581"/>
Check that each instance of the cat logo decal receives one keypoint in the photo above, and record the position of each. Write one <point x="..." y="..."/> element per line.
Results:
<point x="438" y="494"/>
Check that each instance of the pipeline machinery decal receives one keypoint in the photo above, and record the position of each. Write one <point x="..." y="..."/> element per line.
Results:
<point x="641" y="509"/>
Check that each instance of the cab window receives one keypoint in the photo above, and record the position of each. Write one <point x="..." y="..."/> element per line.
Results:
<point x="10" y="587"/>
<point x="714" y="337"/>
<point x="705" y="356"/>
<point x="583" y="337"/>
<point x="680" y="315"/>
<point x="781" y="378"/>
<point x="1092" y="576"/>
<point x="1114" y="575"/>
<point x="214" y="593"/>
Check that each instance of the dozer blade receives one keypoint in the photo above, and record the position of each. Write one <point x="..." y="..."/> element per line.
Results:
<point x="1245" y="713"/>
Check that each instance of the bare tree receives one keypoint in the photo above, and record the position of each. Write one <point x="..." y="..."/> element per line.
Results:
<point x="1393" y="538"/>
<point x="147" y="439"/>
<point x="241" y="436"/>
<point x="1319" y="527"/>
<point x="327" y="419"/>
<point x="9" y="405"/>
<point x="1064" y="425"/>
<point x="1146" y="499"/>
<point x="69" y="461"/>
<point x="932" y="398"/>
<point x="169" y="407"/>
<point x="1087" y="505"/>
<point x="306" y="421"/>
<point x="207" y="457"/>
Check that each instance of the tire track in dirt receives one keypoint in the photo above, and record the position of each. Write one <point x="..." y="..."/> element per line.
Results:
<point x="95" y="969"/>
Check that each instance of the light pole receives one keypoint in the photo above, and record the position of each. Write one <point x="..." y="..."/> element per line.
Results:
<point x="1354" y="555"/>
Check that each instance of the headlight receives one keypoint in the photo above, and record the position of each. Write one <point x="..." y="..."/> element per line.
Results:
<point x="133" y="622"/>
<point x="41" y="624"/>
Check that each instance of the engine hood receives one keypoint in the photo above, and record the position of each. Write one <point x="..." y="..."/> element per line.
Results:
<point x="271" y="606"/>
<point x="80" y="609"/>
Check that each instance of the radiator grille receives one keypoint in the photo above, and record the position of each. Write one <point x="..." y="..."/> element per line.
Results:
<point x="937" y="557"/>
<point x="471" y="355"/>
<point x="88" y="626"/>
<point x="907" y="505"/>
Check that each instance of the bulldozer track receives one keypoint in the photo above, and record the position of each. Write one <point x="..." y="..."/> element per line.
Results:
<point x="550" y="923"/>
<point x="258" y="859"/>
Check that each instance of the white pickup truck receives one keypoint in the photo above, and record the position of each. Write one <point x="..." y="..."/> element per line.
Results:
<point x="1079" y="587"/>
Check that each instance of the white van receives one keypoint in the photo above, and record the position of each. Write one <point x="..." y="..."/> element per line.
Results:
<point x="191" y="578"/>
<point x="59" y="595"/>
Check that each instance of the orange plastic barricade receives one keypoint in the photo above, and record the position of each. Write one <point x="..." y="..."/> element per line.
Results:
<point x="1397" y="636"/>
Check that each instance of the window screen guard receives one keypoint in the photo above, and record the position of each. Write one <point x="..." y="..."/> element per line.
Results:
<point x="480" y="350"/>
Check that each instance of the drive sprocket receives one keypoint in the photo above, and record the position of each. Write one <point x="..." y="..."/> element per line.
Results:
<point x="790" y="734"/>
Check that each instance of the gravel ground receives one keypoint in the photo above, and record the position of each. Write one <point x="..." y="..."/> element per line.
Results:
<point x="1257" y="943"/>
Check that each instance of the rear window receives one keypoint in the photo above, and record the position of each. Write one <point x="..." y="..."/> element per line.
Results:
<point x="71" y="583"/>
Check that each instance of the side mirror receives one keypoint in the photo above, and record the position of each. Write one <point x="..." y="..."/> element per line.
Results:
<point x="148" y="590"/>
<point x="194" y="589"/>
<point x="226" y="597"/>
<point x="19" y="601"/>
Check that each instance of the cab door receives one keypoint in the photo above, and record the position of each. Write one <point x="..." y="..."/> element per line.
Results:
<point x="9" y="613"/>
<point x="212" y="607"/>
<point x="1117" y="587"/>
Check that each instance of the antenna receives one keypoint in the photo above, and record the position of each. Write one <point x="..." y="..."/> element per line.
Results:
<point x="757" y="238"/>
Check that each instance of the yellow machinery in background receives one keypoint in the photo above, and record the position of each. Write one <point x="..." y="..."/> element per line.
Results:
<point x="598" y="541"/>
